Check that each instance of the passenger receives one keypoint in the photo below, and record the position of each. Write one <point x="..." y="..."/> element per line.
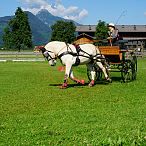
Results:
<point x="113" y="35"/>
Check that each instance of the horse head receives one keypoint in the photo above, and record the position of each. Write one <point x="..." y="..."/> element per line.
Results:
<point x="49" y="55"/>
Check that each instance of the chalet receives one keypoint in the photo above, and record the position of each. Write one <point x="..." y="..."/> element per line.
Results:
<point x="84" y="38"/>
<point x="135" y="34"/>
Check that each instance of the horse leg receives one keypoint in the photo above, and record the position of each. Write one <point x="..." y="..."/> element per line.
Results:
<point x="75" y="79"/>
<point x="104" y="71"/>
<point x="92" y="71"/>
<point x="67" y="73"/>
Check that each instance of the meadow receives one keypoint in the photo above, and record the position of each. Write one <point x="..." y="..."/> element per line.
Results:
<point x="35" y="111"/>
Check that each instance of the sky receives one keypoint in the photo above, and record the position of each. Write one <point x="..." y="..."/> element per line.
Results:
<point x="87" y="12"/>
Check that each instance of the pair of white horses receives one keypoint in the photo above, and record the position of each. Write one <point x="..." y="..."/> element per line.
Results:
<point x="70" y="55"/>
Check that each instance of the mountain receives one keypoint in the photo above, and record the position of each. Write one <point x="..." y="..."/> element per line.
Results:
<point x="40" y="25"/>
<point x="40" y="32"/>
<point x="49" y="19"/>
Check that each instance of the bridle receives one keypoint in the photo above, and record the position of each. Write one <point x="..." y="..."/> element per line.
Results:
<point x="48" y="56"/>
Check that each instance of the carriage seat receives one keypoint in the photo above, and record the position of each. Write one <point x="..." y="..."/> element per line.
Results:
<point x="112" y="53"/>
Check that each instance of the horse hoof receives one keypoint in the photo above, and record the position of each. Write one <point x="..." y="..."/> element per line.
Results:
<point x="109" y="80"/>
<point x="82" y="82"/>
<point x="64" y="86"/>
<point x="91" y="84"/>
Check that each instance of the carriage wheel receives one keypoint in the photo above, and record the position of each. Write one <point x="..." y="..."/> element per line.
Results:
<point x="129" y="70"/>
<point x="134" y="67"/>
<point x="98" y="73"/>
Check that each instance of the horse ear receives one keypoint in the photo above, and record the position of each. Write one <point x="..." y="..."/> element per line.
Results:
<point x="41" y="48"/>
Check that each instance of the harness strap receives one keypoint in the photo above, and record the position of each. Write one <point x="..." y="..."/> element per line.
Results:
<point x="97" y="56"/>
<point x="76" y="55"/>
<point x="67" y="52"/>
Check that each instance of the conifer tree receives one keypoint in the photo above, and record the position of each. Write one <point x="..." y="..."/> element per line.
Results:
<point x="18" y="35"/>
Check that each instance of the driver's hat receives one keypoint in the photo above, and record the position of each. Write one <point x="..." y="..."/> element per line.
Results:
<point x="111" y="25"/>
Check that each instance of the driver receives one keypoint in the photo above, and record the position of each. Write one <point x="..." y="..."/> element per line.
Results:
<point x="113" y="35"/>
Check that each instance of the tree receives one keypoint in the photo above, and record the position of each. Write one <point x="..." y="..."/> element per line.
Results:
<point x="101" y="32"/>
<point x="63" y="31"/>
<point x="17" y="35"/>
<point x="7" y="39"/>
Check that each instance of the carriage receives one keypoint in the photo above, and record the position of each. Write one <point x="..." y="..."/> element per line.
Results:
<point x="118" y="59"/>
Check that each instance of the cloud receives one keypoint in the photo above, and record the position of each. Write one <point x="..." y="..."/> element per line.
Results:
<point x="33" y="3"/>
<point x="145" y="13"/>
<point x="57" y="9"/>
<point x="82" y="14"/>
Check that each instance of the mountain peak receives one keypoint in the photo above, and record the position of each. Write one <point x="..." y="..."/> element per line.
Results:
<point x="46" y="17"/>
<point x="43" y="11"/>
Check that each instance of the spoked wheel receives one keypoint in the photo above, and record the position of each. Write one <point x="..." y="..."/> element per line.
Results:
<point x="134" y="68"/>
<point x="98" y="73"/>
<point x="129" y="70"/>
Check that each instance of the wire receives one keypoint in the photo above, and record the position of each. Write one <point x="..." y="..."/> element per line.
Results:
<point x="121" y="15"/>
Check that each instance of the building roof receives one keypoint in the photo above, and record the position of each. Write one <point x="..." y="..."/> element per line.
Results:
<point x="85" y="35"/>
<point x="86" y="28"/>
<point x="121" y="28"/>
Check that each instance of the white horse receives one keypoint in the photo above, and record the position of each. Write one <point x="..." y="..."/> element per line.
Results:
<point x="71" y="55"/>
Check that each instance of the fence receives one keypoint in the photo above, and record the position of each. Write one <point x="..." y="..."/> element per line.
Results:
<point x="21" y="56"/>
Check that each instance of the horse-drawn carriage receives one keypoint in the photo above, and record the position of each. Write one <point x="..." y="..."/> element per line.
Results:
<point x="117" y="60"/>
<point x="97" y="59"/>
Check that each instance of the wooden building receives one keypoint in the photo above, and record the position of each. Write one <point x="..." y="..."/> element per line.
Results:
<point x="83" y="39"/>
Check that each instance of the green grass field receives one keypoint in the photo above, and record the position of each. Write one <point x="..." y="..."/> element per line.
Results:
<point x="34" y="111"/>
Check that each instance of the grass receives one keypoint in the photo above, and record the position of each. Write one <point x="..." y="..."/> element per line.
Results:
<point x="34" y="111"/>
